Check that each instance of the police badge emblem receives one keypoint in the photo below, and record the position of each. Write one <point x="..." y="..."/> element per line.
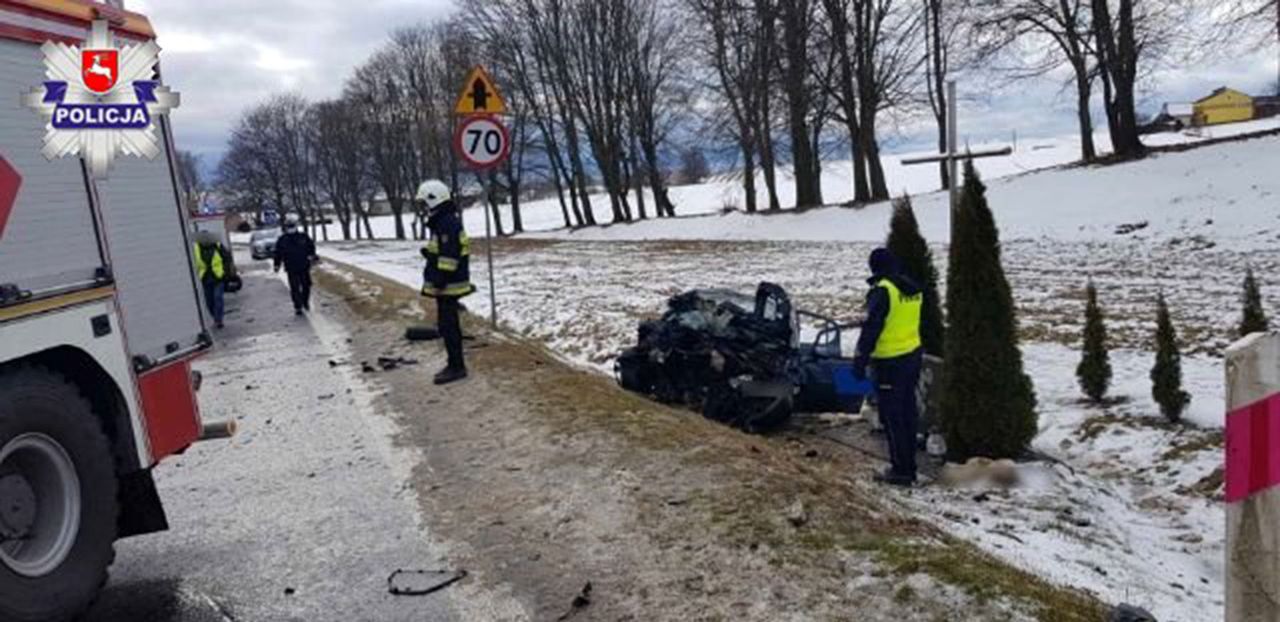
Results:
<point x="101" y="100"/>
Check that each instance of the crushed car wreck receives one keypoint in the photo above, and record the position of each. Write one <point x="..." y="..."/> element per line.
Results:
<point x="741" y="361"/>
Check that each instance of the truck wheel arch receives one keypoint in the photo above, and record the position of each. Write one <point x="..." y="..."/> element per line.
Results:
<point x="141" y="510"/>
<point x="100" y="389"/>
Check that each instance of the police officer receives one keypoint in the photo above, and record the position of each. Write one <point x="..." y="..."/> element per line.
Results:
<point x="296" y="251"/>
<point x="447" y="276"/>
<point x="890" y="343"/>
<point x="213" y="267"/>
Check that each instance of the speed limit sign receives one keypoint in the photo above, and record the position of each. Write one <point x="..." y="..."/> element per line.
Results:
<point x="482" y="141"/>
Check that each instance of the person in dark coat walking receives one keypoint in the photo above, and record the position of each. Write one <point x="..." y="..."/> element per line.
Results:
<point x="296" y="251"/>
<point x="447" y="275"/>
<point x="890" y="344"/>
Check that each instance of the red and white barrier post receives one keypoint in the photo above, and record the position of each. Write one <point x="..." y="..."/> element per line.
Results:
<point x="1253" y="479"/>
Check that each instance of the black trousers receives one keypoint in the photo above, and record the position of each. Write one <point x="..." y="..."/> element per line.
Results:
<point x="896" y="381"/>
<point x="300" y="289"/>
<point x="450" y="327"/>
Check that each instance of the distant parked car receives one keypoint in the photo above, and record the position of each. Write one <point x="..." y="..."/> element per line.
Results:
<point x="262" y="244"/>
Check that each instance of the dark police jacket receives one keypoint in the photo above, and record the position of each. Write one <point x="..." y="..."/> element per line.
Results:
<point x="295" y="251"/>
<point x="448" y="255"/>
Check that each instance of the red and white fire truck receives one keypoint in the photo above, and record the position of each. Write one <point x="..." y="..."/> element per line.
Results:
<point x="100" y="318"/>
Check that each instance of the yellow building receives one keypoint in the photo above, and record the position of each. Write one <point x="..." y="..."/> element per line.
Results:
<point x="1223" y="106"/>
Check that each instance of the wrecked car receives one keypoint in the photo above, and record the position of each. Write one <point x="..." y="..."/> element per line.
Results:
<point x="740" y="360"/>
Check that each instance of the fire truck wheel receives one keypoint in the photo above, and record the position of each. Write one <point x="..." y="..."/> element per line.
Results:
<point x="58" y="505"/>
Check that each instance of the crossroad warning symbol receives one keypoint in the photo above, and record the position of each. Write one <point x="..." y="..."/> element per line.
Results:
<point x="480" y="95"/>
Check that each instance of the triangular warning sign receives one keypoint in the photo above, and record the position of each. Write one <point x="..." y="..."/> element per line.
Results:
<point x="480" y="95"/>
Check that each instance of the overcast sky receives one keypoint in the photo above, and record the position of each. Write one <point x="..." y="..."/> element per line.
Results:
<point x="224" y="55"/>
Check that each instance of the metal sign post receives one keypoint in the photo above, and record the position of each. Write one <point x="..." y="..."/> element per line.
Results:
<point x="488" y="252"/>
<point x="482" y="141"/>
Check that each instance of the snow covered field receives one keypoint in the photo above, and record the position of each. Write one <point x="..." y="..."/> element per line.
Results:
<point x="1132" y="509"/>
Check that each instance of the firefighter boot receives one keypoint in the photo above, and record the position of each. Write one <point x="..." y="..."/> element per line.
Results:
<point x="450" y="374"/>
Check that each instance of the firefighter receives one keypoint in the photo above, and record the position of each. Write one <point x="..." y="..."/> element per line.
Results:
<point x="447" y="275"/>
<point x="296" y="251"/>
<point x="890" y="344"/>
<point x="213" y="267"/>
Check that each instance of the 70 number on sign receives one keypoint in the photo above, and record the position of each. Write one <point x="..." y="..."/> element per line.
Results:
<point x="482" y="141"/>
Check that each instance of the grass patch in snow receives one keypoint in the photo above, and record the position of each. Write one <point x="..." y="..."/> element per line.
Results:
<point x="1200" y="440"/>
<point x="983" y="577"/>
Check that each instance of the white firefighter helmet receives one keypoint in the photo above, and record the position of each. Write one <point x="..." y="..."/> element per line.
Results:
<point x="433" y="192"/>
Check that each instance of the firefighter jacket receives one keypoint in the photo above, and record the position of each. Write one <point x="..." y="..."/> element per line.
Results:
<point x="448" y="255"/>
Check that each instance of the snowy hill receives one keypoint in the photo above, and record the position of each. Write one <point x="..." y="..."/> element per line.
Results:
<point x="1225" y="191"/>
<point x="543" y="218"/>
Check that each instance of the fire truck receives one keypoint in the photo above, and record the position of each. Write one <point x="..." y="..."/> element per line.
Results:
<point x="100" y="319"/>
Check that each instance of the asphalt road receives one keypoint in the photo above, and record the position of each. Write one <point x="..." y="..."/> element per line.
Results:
<point x="300" y="516"/>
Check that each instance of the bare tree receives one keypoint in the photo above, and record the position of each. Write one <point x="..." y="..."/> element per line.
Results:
<point x="843" y="88"/>
<point x="797" y="20"/>
<point x="736" y="38"/>
<point x="386" y="110"/>
<point x="255" y="173"/>
<point x="1253" y="16"/>
<point x="693" y="166"/>
<point x="654" y="47"/>
<point x="1043" y="35"/>
<point x="504" y="30"/>
<point x="945" y="34"/>
<point x="341" y="162"/>
<point x="191" y="180"/>
<point x="1131" y="37"/>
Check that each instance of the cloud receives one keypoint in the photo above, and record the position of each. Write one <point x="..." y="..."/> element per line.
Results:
<point x="228" y="54"/>
<point x="224" y="56"/>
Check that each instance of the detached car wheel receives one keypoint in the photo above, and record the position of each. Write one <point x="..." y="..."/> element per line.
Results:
<point x="58" y="505"/>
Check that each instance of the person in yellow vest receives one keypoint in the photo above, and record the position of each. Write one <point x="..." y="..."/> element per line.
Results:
<point x="890" y="344"/>
<point x="213" y="267"/>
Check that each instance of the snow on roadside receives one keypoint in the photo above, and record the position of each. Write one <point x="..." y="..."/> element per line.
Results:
<point x="1126" y="513"/>
<point x="1131" y="508"/>
<point x="1117" y="506"/>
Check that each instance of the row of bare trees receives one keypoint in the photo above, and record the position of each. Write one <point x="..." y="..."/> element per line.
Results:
<point x="390" y="129"/>
<point x="605" y="94"/>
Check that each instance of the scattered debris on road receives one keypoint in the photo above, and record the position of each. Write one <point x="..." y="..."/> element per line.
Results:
<point x="388" y="363"/>
<point x="422" y="582"/>
<point x="579" y="602"/>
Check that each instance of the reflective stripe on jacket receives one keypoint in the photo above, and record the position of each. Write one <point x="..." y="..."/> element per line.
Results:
<point x="213" y="261"/>
<point x="448" y="255"/>
<point x="901" y="333"/>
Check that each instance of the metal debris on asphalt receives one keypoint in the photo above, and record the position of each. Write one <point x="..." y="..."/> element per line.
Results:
<point x="388" y="363"/>
<point x="579" y="602"/>
<point x="422" y="582"/>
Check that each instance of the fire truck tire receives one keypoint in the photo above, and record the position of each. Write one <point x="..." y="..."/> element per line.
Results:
<point x="56" y="463"/>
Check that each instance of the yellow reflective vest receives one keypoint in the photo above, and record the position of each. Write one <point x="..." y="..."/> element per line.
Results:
<point x="901" y="333"/>
<point x="214" y="263"/>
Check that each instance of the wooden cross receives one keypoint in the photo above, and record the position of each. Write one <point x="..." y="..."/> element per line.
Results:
<point x="953" y="156"/>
